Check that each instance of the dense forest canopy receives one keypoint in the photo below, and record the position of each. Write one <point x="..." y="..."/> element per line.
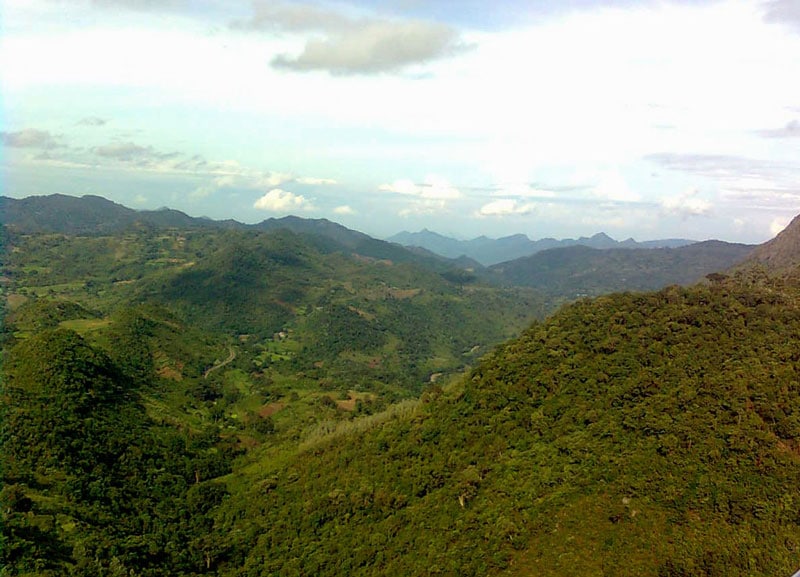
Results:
<point x="219" y="401"/>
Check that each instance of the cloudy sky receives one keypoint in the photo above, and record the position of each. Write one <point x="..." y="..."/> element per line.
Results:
<point x="640" y="118"/>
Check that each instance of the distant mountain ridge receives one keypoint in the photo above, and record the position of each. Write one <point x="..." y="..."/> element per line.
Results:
<point x="568" y="268"/>
<point x="489" y="251"/>
<point x="578" y="271"/>
<point x="91" y="215"/>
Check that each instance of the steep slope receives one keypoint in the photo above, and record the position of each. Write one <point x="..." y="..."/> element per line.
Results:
<point x="652" y="434"/>
<point x="583" y="271"/>
<point x="782" y="253"/>
<point x="91" y="485"/>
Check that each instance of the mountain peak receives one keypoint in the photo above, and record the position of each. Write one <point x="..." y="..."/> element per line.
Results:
<point x="783" y="251"/>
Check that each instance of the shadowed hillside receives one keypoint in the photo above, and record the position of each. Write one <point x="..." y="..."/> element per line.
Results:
<point x="582" y="271"/>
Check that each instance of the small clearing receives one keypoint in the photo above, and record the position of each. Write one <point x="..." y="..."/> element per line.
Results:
<point x="270" y="409"/>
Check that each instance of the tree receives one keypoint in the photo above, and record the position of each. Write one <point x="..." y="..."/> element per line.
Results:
<point x="55" y="384"/>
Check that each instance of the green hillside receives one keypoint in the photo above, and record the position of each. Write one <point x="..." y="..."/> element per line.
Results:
<point x="633" y="434"/>
<point x="293" y="303"/>
<point x="580" y="271"/>
<point x="244" y="402"/>
<point x="141" y="367"/>
<point x="636" y="434"/>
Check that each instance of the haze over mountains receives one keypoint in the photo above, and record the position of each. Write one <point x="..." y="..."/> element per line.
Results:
<point x="583" y="271"/>
<point x="489" y="251"/>
<point x="563" y="269"/>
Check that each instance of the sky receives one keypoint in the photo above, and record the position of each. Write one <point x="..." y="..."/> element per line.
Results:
<point x="647" y="119"/>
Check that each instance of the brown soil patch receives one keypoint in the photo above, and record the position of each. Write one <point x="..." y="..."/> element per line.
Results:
<point x="348" y="405"/>
<point x="790" y="446"/>
<point x="363" y="258"/>
<point x="362" y="314"/>
<point x="404" y="293"/>
<point x="270" y="409"/>
<point x="15" y="300"/>
<point x="247" y="442"/>
<point x="170" y="373"/>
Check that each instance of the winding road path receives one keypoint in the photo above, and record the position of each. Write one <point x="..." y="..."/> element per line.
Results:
<point x="230" y="358"/>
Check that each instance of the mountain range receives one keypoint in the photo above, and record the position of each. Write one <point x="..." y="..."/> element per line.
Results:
<point x="579" y="271"/>
<point x="215" y="399"/>
<point x="94" y="215"/>
<point x="489" y="251"/>
<point x="561" y="268"/>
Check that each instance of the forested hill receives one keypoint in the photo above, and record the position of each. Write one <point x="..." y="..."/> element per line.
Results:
<point x="652" y="434"/>
<point x="96" y="216"/>
<point x="582" y="271"/>
<point x="89" y="214"/>
<point x="376" y="322"/>
<point x="243" y="402"/>
<point x="143" y="370"/>
<point x="633" y="434"/>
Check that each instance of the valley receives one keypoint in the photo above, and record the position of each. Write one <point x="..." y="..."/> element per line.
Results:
<point x="186" y="396"/>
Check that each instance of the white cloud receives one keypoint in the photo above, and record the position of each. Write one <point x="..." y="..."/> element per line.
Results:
<point x="28" y="138"/>
<point x="423" y="207"/>
<point x="206" y="190"/>
<point x="504" y="207"/>
<point x="401" y="187"/>
<point x="587" y="108"/>
<point x="522" y="191"/>
<point x="602" y="224"/>
<point x="272" y="179"/>
<point x="430" y="197"/>
<point x="611" y="185"/>
<point x="277" y="200"/>
<point x="92" y="121"/>
<point x="132" y="152"/>
<point x="344" y="210"/>
<point x="783" y="12"/>
<point x="686" y="205"/>
<point x="790" y="130"/>
<point x="316" y="181"/>
<point x="345" y="45"/>
<point x="744" y="183"/>
<point x="203" y="191"/>
<point x="376" y="47"/>
<point x="433" y="188"/>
